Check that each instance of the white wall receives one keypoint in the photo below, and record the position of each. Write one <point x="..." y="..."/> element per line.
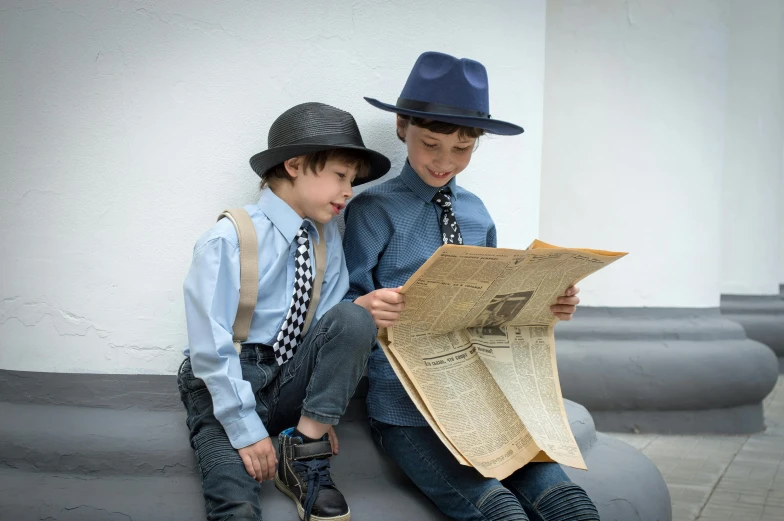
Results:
<point x="781" y="214"/>
<point x="127" y="127"/>
<point x="752" y="157"/>
<point x="781" y="218"/>
<point x="633" y="144"/>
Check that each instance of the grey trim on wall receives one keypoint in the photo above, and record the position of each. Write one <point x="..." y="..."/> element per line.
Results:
<point x="665" y="370"/>
<point x="762" y="317"/>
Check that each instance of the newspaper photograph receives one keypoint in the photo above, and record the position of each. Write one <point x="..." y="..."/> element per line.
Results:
<point x="475" y="351"/>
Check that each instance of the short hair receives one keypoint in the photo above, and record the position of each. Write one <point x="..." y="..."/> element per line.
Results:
<point x="439" y="127"/>
<point x="316" y="161"/>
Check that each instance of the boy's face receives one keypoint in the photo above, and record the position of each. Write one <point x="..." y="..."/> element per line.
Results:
<point x="436" y="158"/>
<point x="320" y="196"/>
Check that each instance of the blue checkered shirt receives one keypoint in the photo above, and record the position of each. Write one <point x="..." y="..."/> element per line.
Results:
<point x="391" y="230"/>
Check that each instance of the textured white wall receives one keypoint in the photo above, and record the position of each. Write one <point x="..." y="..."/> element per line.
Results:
<point x="127" y="127"/>
<point x="752" y="156"/>
<point x="633" y="144"/>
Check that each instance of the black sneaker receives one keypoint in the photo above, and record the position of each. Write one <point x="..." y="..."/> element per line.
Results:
<point x="303" y="475"/>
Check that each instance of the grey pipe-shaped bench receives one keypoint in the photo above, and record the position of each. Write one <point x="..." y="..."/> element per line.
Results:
<point x="115" y="447"/>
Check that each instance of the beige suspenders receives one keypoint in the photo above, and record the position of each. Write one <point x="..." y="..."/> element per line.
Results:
<point x="249" y="273"/>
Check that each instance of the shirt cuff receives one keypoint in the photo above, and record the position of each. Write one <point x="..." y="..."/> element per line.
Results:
<point x="246" y="431"/>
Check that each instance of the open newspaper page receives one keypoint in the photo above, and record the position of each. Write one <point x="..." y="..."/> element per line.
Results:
<point x="466" y="404"/>
<point x="524" y="368"/>
<point x="417" y="399"/>
<point x="514" y="335"/>
<point x="490" y="390"/>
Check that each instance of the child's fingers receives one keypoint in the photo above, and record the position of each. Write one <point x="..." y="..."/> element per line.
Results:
<point x="385" y="323"/>
<point x="571" y="301"/>
<point x="394" y="308"/>
<point x="563" y="316"/>
<point x="391" y="297"/>
<point x="258" y="468"/>
<point x="387" y="313"/>
<point x="271" y="464"/>
<point x="248" y="462"/>
<point x="386" y="316"/>
<point x="574" y="290"/>
<point x="563" y="309"/>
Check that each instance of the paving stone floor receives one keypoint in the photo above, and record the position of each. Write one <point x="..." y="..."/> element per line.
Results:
<point x="721" y="478"/>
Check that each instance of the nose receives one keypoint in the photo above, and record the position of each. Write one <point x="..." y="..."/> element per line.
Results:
<point x="348" y="192"/>
<point x="441" y="160"/>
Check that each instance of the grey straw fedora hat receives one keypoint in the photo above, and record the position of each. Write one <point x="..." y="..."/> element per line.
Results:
<point x="312" y="127"/>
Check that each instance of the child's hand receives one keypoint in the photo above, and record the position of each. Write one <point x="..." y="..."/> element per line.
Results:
<point x="384" y="305"/>
<point x="333" y="439"/>
<point x="567" y="304"/>
<point x="260" y="459"/>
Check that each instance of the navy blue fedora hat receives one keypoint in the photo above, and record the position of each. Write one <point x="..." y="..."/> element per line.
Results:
<point x="454" y="90"/>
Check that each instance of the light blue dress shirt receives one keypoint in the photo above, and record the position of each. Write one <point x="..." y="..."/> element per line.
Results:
<point x="391" y="230"/>
<point x="212" y="294"/>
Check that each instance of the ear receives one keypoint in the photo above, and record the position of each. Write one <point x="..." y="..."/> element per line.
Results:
<point x="294" y="166"/>
<point x="402" y="126"/>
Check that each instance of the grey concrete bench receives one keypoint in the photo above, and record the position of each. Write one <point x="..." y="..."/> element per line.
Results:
<point x="115" y="447"/>
<point x="762" y="317"/>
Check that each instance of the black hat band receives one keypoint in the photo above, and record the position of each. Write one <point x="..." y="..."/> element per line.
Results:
<point x="327" y="140"/>
<point x="438" y="108"/>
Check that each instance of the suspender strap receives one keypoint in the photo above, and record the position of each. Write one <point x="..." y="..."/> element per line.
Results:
<point x="249" y="273"/>
<point x="321" y="262"/>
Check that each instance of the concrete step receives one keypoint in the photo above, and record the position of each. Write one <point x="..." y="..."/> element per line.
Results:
<point x="89" y="440"/>
<point x="371" y="483"/>
<point x="78" y="497"/>
<point x="72" y="447"/>
<point x="134" y="442"/>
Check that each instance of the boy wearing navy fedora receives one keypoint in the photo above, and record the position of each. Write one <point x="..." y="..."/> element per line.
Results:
<point x="280" y="378"/>
<point x="391" y="230"/>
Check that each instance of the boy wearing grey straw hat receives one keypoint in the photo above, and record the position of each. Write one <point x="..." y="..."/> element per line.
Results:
<point x="276" y="374"/>
<point x="391" y="230"/>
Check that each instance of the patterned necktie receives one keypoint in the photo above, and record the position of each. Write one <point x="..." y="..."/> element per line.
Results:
<point x="291" y="332"/>
<point x="450" y="231"/>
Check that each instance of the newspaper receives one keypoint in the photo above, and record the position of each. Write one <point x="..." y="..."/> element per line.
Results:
<point x="475" y="351"/>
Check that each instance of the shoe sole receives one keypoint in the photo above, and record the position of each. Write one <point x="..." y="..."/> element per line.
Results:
<point x="301" y="511"/>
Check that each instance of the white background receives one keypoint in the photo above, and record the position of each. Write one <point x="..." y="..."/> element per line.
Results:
<point x="127" y="127"/>
<point x="649" y="105"/>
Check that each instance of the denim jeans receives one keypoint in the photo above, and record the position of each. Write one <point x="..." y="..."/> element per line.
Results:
<point x="318" y="383"/>
<point x="536" y="492"/>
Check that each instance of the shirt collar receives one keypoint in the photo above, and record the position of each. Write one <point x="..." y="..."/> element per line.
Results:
<point x="421" y="189"/>
<point x="283" y="217"/>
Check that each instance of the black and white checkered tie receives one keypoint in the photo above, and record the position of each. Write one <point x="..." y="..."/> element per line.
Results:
<point x="450" y="231"/>
<point x="291" y="332"/>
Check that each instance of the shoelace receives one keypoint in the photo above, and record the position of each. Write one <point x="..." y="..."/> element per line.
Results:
<point x="316" y="473"/>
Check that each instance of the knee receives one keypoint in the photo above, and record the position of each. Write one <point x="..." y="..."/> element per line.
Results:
<point x="354" y="324"/>
<point x="499" y="504"/>
<point x="213" y="450"/>
<point x="566" y="502"/>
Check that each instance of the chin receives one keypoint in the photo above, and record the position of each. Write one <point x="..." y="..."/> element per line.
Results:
<point x="435" y="182"/>
<point x="322" y="220"/>
<point x="430" y="180"/>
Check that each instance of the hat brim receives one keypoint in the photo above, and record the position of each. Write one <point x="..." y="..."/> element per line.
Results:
<point x="493" y="126"/>
<point x="263" y="161"/>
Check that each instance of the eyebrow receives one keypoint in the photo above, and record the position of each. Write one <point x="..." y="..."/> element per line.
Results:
<point x="431" y="135"/>
<point x="348" y="171"/>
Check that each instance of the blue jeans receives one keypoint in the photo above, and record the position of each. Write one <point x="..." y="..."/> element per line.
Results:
<point x="536" y="492"/>
<point x="318" y="383"/>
